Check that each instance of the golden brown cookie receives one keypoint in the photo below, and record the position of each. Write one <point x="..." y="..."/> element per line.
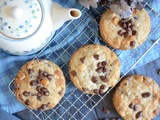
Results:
<point x="40" y="84"/>
<point x="94" y="68"/>
<point x="137" y="98"/>
<point x="125" y="33"/>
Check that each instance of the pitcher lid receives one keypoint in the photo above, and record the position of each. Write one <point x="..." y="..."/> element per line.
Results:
<point x="20" y="18"/>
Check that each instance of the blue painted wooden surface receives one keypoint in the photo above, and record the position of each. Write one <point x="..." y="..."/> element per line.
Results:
<point x="149" y="69"/>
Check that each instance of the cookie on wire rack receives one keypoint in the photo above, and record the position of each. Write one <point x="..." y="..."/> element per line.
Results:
<point x="39" y="84"/>
<point x="125" y="34"/>
<point x="94" y="68"/>
<point x="137" y="98"/>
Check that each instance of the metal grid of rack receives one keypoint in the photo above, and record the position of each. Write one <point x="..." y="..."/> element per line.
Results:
<point x="75" y="104"/>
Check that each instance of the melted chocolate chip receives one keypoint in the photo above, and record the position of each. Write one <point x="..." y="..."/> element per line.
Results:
<point x="96" y="56"/>
<point x="96" y="91"/>
<point x="39" y="98"/>
<point x="27" y="102"/>
<point x="38" y="80"/>
<point x="106" y="110"/>
<point x="102" y="87"/>
<point x="43" y="106"/>
<point x="120" y="32"/>
<point x="74" y="73"/>
<point x="38" y="88"/>
<point x="139" y="114"/>
<point x="25" y="93"/>
<point x="146" y="94"/>
<point x="49" y="76"/>
<point x="43" y="89"/>
<point x="94" y="79"/>
<point x="82" y="59"/>
<point x="134" y="107"/>
<point x="39" y="94"/>
<point x="33" y="83"/>
<point x="132" y="43"/>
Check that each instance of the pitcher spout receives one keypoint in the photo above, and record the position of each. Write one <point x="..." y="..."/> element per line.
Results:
<point x="60" y="15"/>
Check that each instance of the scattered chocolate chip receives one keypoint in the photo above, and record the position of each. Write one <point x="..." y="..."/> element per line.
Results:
<point x="124" y="26"/>
<point x="25" y="93"/>
<point x="134" y="107"/>
<point x="49" y="76"/>
<point x="46" y="93"/>
<point x="96" y="56"/>
<point x="27" y="102"/>
<point x="96" y="91"/>
<point x="82" y="59"/>
<point x="94" y="79"/>
<point x="132" y="27"/>
<point x="132" y="43"/>
<point x="84" y="89"/>
<point x="33" y="83"/>
<point x="106" y="110"/>
<point x="104" y="70"/>
<point x="146" y="94"/>
<point x="38" y="80"/>
<point x="139" y="114"/>
<point x="74" y="73"/>
<point x="99" y="70"/>
<point x="40" y="74"/>
<point x="102" y="87"/>
<point x="134" y="32"/>
<point x="103" y="63"/>
<point x="43" y="89"/>
<point x="39" y="94"/>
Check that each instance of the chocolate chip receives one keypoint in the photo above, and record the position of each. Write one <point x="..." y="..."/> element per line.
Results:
<point x="40" y="74"/>
<point x="96" y="91"/>
<point x="101" y="91"/>
<point x="38" y="88"/>
<point x="27" y="102"/>
<point x="43" y="89"/>
<point x="45" y="73"/>
<point x="33" y="83"/>
<point x="146" y="94"/>
<point x="74" y="73"/>
<point x="38" y="80"/>
<point x="125" y="34"/>
<point x="132" y="27"/>
<point x="103" y="78"/>
<point x="39" y="109"/>
<point x="102" y="87"/>
<point x="99" y="65"/>
<point x="139" y="6"/>
<point x="84" y="89"/>
<point x="139" y="114"/>
<point x="120" y="32"/>
<point x="129" y="24"/>
<point x="25" y="93"/>
<point x="134" y="32"/>
<point x="39" y="94"/>
<point x="103" y="63"/>
<point x="39" y="98"/>
<point x="104" y="69"/>
<point x="124" y="26"/>
<point x="30" y="71"/>
<point x="106" y="110"/>
<point x="94" y="79"/>
<point x="49" y="76"/>
<point x="99" y="70"/>
<point x="134" y="107"/>
<point x="132" y="43"/>
<point x="46" y="93"/>
<point x="96" y="56"/>
<point x="82" y="59"/>
<point x="43" y="106"/>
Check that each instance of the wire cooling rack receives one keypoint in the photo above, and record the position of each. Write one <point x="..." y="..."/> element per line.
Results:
<point x="75" y="104"/>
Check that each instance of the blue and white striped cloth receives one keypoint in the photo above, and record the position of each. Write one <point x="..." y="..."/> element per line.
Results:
<point x="10" y="64"/>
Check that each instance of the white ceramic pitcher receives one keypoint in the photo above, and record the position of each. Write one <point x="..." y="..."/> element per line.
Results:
<point x="26" y="25"/>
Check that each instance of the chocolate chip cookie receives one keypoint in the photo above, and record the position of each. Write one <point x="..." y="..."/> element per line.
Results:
<point x="39" y="84"/>
<point x="137" y="98"/>
<point x="94" y="68"/>
<point x="122" y="33"/>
